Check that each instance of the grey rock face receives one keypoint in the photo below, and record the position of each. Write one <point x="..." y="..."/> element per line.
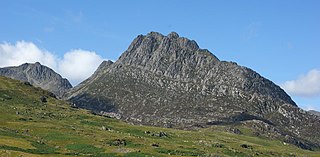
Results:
<point x="314" y="113"/>
<point x="38" y="75"/>
<point x="169" y="81"/>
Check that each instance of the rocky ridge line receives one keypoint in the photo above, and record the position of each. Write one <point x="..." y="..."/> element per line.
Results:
<point x="39" y="76"/>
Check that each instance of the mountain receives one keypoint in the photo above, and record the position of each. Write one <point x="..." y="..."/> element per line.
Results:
<point x="38" y="75"/>
<point x="33" y="127"/>
<point x="314" y="112"/>
<point x="169" y="81"/>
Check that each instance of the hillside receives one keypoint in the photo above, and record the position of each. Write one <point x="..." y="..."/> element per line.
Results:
<point x="38" y="75"/>
<point x="33" y="126"/>
<point x="169" y="81"/>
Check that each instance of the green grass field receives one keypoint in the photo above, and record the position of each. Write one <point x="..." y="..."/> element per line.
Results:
<point x="29" y="127"/>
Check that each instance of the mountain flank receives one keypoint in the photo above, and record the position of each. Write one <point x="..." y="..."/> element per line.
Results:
<point x="39" y="76"/>
<point x="32" y="127"/>
<point x="169" y="81"/>
<point x="314" y="112"/>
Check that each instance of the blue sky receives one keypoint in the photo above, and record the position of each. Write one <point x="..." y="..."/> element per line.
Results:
<point x="278" y="39"/>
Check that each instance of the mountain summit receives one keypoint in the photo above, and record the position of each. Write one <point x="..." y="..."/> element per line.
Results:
<point x="169" y="81"/>
<point x="39" y="76"/>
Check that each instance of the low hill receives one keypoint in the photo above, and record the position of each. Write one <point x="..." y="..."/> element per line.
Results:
<point x="32" y="123"/>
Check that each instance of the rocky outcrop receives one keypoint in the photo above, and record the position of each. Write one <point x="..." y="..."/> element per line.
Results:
<point x="39" y="76"/>
<point x="169" y="81"/>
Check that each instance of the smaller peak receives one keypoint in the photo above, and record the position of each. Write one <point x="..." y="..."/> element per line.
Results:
<point x="30" y="64"/>
<point x="107" y="62"/>
<point x="154" y="34"/>
<point x="173" y="35"/>
<point x="36" y="64"/>
<point x="25" y="64"/>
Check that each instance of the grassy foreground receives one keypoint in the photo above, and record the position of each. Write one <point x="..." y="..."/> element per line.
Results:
<point x="30" y="127"/>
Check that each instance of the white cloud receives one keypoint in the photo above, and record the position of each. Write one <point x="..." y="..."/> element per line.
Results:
<point x="22" y="52"/>
<point x="76" y="65"/>
<point x="306" y="85"/>
<point x="310" y="107"/>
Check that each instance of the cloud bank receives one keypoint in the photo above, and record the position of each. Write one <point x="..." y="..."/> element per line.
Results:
<point x="305" y="86"/>
<point x="76" y="65"/>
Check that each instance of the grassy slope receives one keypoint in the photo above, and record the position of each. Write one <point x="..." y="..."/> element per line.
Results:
<point x="29" y="127"/>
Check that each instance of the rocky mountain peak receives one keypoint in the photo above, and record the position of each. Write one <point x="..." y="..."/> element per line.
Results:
<point x="169" y="81"/>
<point x="102" y="68"/>
<point x="170" y="55"/>
<point x="173" y="35"/>
<point x="38" y="75"/>
<point x="105" y="64"/>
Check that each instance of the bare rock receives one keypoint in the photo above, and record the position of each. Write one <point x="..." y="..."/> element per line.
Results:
<point x="38" y="75"/>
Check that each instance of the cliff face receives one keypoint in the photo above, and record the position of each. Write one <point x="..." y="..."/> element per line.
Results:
<point x="169" y="81"/>
<point x="38" y="75"/>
